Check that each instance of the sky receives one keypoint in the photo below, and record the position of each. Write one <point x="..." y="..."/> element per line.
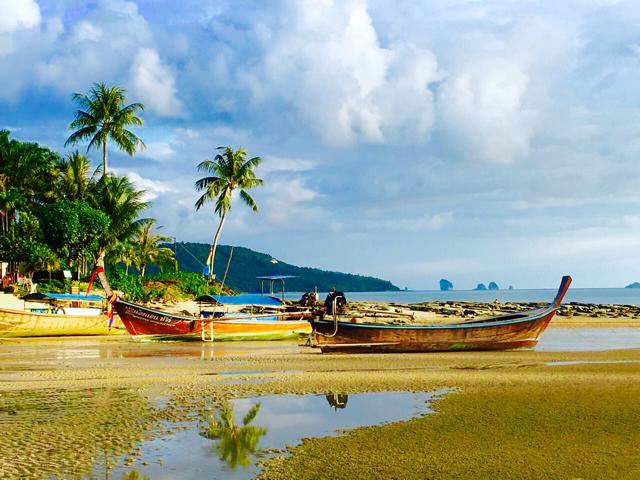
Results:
<point x="470" y="140"/>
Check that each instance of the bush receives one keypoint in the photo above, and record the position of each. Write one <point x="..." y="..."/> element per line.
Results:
<point x="53" y="286"/>
<point x="190" y="284"/>
<point x="129" y="285"/>
<point x="164" y="287"/>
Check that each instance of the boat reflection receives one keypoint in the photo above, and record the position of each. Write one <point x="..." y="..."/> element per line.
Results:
<point x="337" y="400"/>
<point x="236" y="443"/>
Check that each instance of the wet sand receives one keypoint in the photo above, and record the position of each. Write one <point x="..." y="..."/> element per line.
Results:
<point x="69" y="404"/>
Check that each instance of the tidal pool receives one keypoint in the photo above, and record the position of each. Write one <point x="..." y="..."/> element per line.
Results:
<point x="281" y="420"/>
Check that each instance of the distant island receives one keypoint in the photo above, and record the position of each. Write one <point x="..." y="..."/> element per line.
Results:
<point x="633" y="285"/>
<point x="480" y="286"/>
<point x="445" y="285"/>
<point x="247" y="264"/>
<point x="492" y="286"/>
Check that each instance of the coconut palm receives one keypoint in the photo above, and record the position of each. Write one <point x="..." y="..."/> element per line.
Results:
<point x="236" y="442"/>
<point x="124" y="252"/>
<point x="119" y="199"/>
<point x="74" y="181"/>
<point x="147" y="248"/>
<point x="228" y="171"/>
<point x="103" y="116"/>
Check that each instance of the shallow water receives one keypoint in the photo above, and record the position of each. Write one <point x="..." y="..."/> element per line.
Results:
<point x="286" y="418"/>
<point x="621" y="296"/>
<point x="588" y="339"/>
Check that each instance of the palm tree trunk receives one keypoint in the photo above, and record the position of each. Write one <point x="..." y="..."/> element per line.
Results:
<point x="104" y="158"/>
<point x="214" y="246"/>
<point x="143" y="267"/>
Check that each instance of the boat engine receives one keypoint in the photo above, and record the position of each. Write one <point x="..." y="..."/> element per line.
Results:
<point x="340" y="301"/>
<point x="309" y="299"/>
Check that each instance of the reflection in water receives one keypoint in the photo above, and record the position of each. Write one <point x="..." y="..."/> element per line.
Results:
<point x="337" y="400"/>
<point x="235" y="443"/>
<point x="284" y="420"/>
<point x="134" y="475"/>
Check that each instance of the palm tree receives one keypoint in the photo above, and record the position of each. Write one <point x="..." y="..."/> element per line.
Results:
<point x="74" y="181"/>
<point x="124" y="252"/>
<point x="104" y="116"/>
<point x="236" y="443"/>
<point x="147" y="248"/>
<point x="118" y="198"/>
<point x="228" y="171"/>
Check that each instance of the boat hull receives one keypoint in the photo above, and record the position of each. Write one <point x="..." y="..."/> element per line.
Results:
<point x="149" y="324"/>
<point x="356" y="337"/>
<point x="21" y="324"/>
<point x="507" y="332"/>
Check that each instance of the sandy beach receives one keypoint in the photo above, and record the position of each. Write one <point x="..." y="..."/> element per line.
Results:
<point x="71" y="404"/>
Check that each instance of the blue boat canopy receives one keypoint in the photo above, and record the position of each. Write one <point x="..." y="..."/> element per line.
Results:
<point x="245" y="299"/>
<point x="276" y="277"/>
<point x="69" y="297"/>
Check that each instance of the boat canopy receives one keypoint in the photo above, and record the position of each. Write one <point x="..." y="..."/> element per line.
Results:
<point x="69" y="297"/>
<point x="276" y="277"/>
<point x="245" y="299"/>
<point x="271" y="279"/>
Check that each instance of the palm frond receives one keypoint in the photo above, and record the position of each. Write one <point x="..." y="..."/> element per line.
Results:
<point x="249" y="200"/>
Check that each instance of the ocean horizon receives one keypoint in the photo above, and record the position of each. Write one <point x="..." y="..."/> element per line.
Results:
<point x="618" y="296"/>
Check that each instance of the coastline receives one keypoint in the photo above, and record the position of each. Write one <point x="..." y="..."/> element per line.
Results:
<point x="102" y="396"/>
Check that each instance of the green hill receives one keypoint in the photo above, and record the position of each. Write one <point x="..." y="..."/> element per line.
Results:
<point x="247" y="264"/>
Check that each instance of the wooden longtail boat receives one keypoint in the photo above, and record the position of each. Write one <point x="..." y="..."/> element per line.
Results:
<point x="505" y="332"/>
<point x="58" y="319"/>
<point x="149" y="324"/>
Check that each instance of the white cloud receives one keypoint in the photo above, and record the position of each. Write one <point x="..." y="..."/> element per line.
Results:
<point x="154" y="84"/>
<point x="86" y="31"/>
<point x="98" y="48"/>
<point x="325" y="60"/>
<point x="153" y="188"/>
<point x="157" y="150"/>
<point x="272" y="164"/>
<point x="287" y="201"/>
<point x="495" y="98"/>
<point x="18" y="14"/>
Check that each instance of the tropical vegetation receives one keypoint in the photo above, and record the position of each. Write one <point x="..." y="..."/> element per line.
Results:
<point x="227" y="172"/>
<point x="59" y="213"/>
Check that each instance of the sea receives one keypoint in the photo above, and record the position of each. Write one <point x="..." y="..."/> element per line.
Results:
<point x="618" y="296"/>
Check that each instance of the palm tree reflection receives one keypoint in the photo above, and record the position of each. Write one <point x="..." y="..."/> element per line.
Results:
<point x="235" y="443"/>
<point x="337" y="400"/>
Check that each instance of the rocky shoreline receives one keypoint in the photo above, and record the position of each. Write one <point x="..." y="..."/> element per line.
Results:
<point x="478" y="309"/>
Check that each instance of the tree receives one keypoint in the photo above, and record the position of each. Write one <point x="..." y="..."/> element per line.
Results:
<point x="74" y="180"/>
<point x="147" y="248"/>
<point x="23" y="243"/>
<point x="73" y="230"/>
<point x="124" y="252"/>
<point x="228" y="171"/>
<point x="28" y="171"/>
<point x="122" y="203"/>
<point x="103" y="116"/>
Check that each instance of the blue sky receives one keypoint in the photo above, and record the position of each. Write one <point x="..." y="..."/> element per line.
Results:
<point x="472" y="140"/>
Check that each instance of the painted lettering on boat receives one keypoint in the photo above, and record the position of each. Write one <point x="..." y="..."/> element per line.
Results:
<point x="148" y="316"/>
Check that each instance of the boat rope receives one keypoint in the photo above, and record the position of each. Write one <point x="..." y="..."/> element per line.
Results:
<point x="194" y="257"/>
<point x="335" y="320"/>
